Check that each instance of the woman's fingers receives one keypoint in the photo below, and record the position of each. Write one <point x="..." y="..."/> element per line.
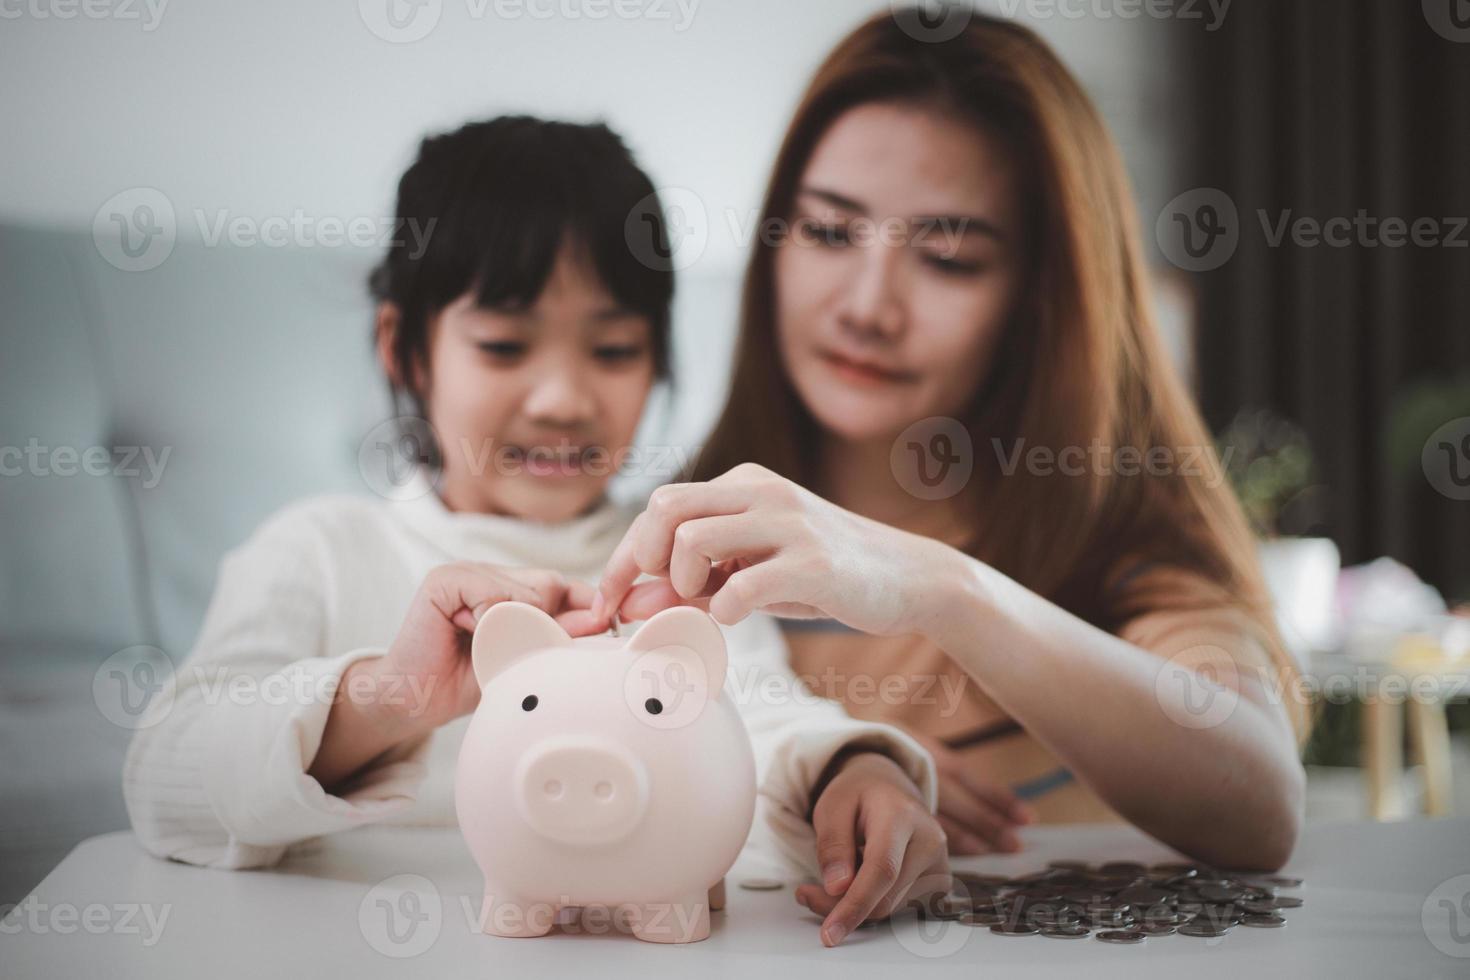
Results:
<point x="976" y="815"/>
<point x="648" y="544"/>
<point x="704" y="542"/>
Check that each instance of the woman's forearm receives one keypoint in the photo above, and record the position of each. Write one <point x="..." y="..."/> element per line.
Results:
<point x="1224" y="786"/>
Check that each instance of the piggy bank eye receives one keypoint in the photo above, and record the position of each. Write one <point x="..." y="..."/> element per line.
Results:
<point x="654" y="706"/>
<point x="529" y="703"/>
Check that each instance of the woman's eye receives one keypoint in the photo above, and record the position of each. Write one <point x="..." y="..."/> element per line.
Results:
<point x="615" y="354"/>
<point x="832" y="235"/>
<point x="503" y="348"/>
<point x="953" y="267"/>
<point x="529" y="704"/>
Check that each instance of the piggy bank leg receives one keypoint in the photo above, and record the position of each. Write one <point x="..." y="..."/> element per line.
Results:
<point x="717" y="896"/>
<point x="682" y="921"/>
<point x="514" y="917"/>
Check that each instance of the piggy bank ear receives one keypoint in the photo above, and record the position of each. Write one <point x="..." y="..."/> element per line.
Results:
<point x="690" y="650"/>
<point x="508" y="631"/>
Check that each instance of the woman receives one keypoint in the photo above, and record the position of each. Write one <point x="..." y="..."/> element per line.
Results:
<point x="331" y="683"/>
<point x="1098" y="605"/>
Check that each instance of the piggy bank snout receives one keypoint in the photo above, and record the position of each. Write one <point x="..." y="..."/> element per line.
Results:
<point x="580" y="790"/>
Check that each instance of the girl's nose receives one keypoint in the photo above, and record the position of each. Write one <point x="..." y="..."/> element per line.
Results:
<point x="559" y="397"/>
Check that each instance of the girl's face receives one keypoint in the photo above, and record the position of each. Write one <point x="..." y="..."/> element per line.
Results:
<point x="534" y="408"/>
<point x="900" y="271"/>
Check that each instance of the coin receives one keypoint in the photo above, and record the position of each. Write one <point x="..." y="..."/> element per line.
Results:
<point x="1121" y="937"/>
<point x="1066" y="932"/>
<point x="1156" y="929"/>
<point x="1263" y="921"/>
<point x="1203" y="930"/>
<point x="1013" y="929"/>
<point x="1286" y="902"/>
<point x="762" y="884"/>
<point x="1283" y="881"/>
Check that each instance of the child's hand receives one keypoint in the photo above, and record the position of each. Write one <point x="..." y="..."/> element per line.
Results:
<point x="433" y="645"/>
<point x="904" y="856"/>
<point x="979" y="815"/>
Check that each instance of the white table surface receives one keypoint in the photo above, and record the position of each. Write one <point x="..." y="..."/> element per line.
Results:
<point x="317" y="915"/>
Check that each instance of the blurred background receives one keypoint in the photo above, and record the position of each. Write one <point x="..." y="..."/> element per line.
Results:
<point x="193" y="193"/>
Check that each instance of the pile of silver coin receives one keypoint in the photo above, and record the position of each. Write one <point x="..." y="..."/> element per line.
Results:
<point x="1121" y="902"/>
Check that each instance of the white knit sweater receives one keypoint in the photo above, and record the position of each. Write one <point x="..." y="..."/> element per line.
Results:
<point x="217" y="774"/>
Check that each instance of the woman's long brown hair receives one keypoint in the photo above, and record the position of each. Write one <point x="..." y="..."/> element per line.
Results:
<point x="1080" y="363"/>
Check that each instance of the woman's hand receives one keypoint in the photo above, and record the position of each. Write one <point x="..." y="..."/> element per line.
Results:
<point x="872" y="803"/>
<point x="751" y="540"/>
<point x="979" y="816"/>
<point x="426" y="678"/>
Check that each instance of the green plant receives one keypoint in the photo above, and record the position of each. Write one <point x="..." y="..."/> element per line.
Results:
<point x="1269" y="463"/>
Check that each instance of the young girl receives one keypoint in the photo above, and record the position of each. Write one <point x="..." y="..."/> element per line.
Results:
<point x="330" y="684"/>
<point x="1090" y="588"/>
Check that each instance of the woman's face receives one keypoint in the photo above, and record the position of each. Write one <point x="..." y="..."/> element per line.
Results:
<point x="900" y="271"/>
<point x="535" y="408"/>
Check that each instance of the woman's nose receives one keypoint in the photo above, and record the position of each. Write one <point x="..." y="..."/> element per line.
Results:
<point x="560" y="397"/>
<point x="873" y="302"/>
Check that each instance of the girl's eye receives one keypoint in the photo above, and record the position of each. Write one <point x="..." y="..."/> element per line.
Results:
<point x="503" y="348"/>
<point x="615" y="354"/>
<point x="654" y="706"/>
<point x="529" y="704"/>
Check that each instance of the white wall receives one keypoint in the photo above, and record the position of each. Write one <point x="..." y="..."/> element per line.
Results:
<point x="269" y="107"/>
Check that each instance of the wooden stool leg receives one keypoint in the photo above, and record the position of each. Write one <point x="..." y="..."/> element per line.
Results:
<point x="1431" y="737"/>
<point x="1383" y="756"/>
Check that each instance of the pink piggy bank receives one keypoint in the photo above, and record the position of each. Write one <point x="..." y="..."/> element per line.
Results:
<point x="603" y="771"/>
